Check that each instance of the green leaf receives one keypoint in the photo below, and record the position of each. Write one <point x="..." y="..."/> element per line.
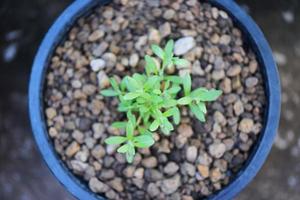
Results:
<point x="151" y="82"/>
<point x="109" y="93"/>
<point x="119" y="124"/>
<point x="198" y="92"/>
<point x="202" y="107"/>
<point x="158" y="51"/>
<point x="174" y="79"/>
<point x="184" y="100"/>
<point x="115" y="140"/>
<point x="169" y="103"/>
<point x="131" y="95"/>
<point x="197" y="112"/>
<point x="140" y="78"/>
<point x="131" y="84"/>
<point x="174" y="90"/>
<point x="210" y="95"/>
<point x="143" y="141"/>
<point x="131" y="117"/>
<point x="154" y="125"/>
<point x="130" y="152"/>
<point x="156" y="91"/>
<point x="129" y="129"/>
<point x="187" y="84"/>
<point x="176" y="115"/>
<point x="166" y="127"/>
<point x="150" y="65"/>
<point x="181" y="63"/>
<point x="114" y="84"/>
<point x="169" y="53"/>
<point x="123" y="148"/>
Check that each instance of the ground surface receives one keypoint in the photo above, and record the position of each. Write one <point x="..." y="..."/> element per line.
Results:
<point x="23" y="175"/>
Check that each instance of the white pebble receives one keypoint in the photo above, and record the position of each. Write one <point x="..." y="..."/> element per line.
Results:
<point x="97" y="64"/>
<point x="184" y="45"/>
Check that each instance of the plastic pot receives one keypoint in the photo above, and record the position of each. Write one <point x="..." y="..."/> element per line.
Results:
<point x="255" y="38"/>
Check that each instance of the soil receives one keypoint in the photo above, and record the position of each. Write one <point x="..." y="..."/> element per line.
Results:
<point x="198" y="159"/>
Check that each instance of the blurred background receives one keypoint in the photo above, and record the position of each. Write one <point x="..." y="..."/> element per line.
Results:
<point x="23" y="174"/>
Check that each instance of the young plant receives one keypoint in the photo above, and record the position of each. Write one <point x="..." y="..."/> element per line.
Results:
<point x="151" y="101"/>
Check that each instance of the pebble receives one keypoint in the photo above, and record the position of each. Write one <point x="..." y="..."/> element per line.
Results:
<point x="98" y="130"/>
<point x="238" y="108"/>
<point x="129" y="171"/>
<point x="72" y="149"/>
<point x="97" y="64"/>
<point x="169" y="14"/>
<point x="103" y="80"/>
<point x="98" y="50"/>
<point x="98" y="152"/>
<point x="184" y="45"/>
<point x="185" y="130"/>
<point x="149" y="162"/>
<point x="191" y="153"/>
<point x="171" y="168"/>
<point x="197" y="69"/>
<point x="217" y="150"/>
<point x="51" y="113"/>
<point x="203" y="170"/>
<point x="76" y="84"/>
<point x="116" y="184"/>
<point x="153" y="190"/>
<point x="226" y="85"/>
<point x="78" y="166"/>
<point x="218" y="74"/>
<point x="188" y="168"/>
<point x="78" y="136"/>
<point x="215" y="175"/>
<point x="97" y="186"/>
<point x="251" y="82"/>
<point x="96" y="35"/>
<point x="219" y="118"/>
<point x="234" y="71"/>
<point x="134" y="59"/>
<point x="154" y="36"/>
<point x="170" y="185"/>
<point x="246" y="125"/>
<point x="139" y="173"/>
<point x="165" y="29"/>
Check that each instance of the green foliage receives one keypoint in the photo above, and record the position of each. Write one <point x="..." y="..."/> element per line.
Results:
<point x="152" y="100"/>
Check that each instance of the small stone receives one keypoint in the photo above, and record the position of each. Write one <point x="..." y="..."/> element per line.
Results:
<point x="78" y="136"/>
<point x="238" y="108"/>
<point x="98" y="152"/>
<point x="97" y="186"/>
<point x="170" y="185"/>
<point x="139" y="173"/>
<point x="218" y="74"/>
<point x="103" y="80"/>
<point x="108" y="13"/>
<point x="171" y="168"/>
<point x="78" y="166"/>
<point x="97" y="64"/>
<point x="98" y="50"/>
<point x="76" y="84"/>
<point x="153" y="175"/>
<point x="185" y="130"/>
<point x="204" y="159"/>
<point x="203" y="170"/>
<point x="226" y="85"/>
<point x="84" y="124"/>
<point x="116" y="184"/>
<point x="184" y="45"/>
<point x="234" y="71"/>
<point x="153" y="190"/>
<point x="215" y="175"/>
<point x="223" y="14"/>
<point x="129" y="171"/>
<point x="51" y="113"/>
<point x="188" y="168"/>
<point x="72" y="149"/>
<point x="197" y="69"/>
<point x="219" y="63"/>
<point x="251" y="82"/>
<point x="98" y="130"/>
<point x="253" y="65"/>
<point x="82" y="155"/>
<point x="191" y="154"/>
<point x="225" y="39"/>
<point x="96" y="35"/>
<point x="165" y="30"/>
<point x="246" y="125"/>
<point x="154" y="36"/>
<point x="111" y="194"/>
<point x="217" y="150"/>
<point x="149" y="162"/>
<point x="169" y="14"/>
<point x="215" y="13"/>
<point x="134" y="60"/>
<point x="110" y="59"/>
<point x="215" y="38"/>
<point x="107" y="174"/>
<point x="53" y="132"/>
<point x="186" y="197"/>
